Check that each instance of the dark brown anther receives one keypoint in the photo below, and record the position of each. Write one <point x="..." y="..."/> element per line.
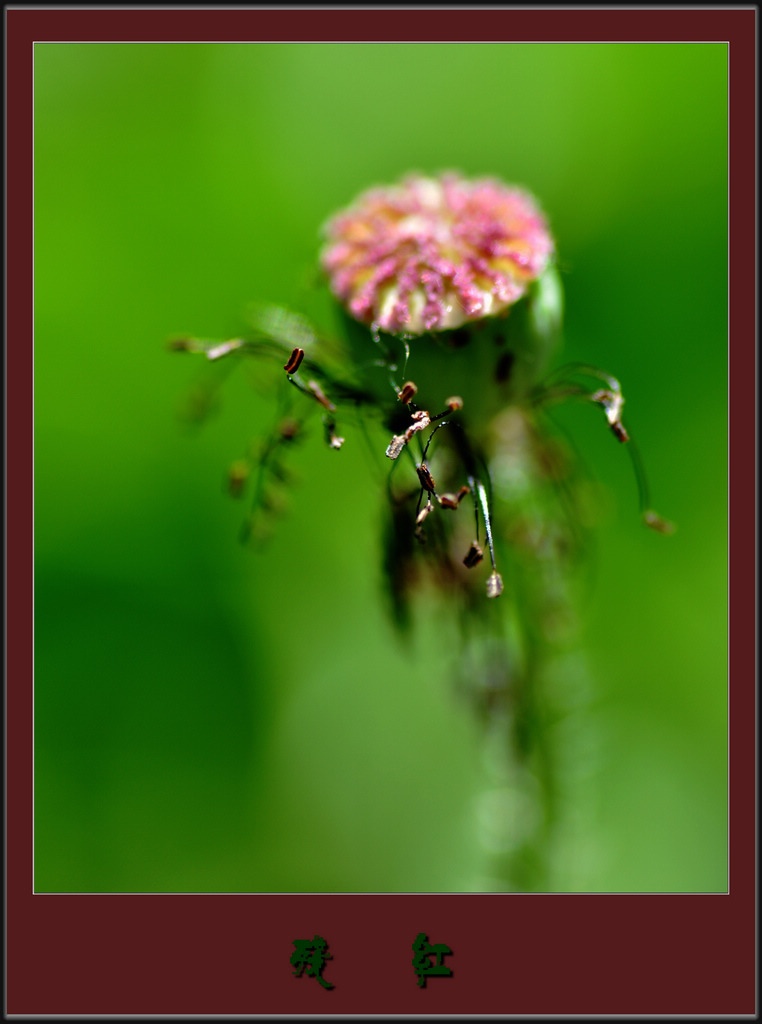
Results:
<point x="427" y="481"/>
<point x="454" y="403"/>
<point x="465" y="489"/>
<point x="320" y="396"/>
<point x="617" y="428"/>
<point x="294" y="361"/>
<point x="407" y="393"/>
<point x="474" y="556"/>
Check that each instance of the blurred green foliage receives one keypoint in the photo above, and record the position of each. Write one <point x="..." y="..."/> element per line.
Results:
<point x="212" y="719"/>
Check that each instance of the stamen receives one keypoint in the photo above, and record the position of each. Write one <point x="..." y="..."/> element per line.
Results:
<point x="655" y="522"/>
<point x="495" y="581"/>
<point x="223" y="349"/>
<point x="395" y="446"/>
<point x="407" y="393"/>
<point x="320" y="396"/>
<point x="424" y="475"/>
<point x="423" y="513"/>
<point x="611" y="399"/>
<point x="494" y="585"/>
<point x="474" y="555"/>
<point x="421" y="420"/>
<point x="612" y="402"/>
<point x="453" y="500"/>
<point x="294" y="361"/>
<point x="334" y="441"/>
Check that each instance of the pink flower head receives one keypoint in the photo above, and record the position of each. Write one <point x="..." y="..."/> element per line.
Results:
<point x="431" y="254"/>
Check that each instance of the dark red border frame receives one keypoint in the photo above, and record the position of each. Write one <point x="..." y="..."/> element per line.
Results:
<point x="515" y="955"/>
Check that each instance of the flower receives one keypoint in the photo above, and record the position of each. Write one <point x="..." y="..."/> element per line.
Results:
<point x="433" y="253"/>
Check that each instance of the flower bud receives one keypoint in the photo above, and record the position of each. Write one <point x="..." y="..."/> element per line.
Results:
<point x="432" y="254"/>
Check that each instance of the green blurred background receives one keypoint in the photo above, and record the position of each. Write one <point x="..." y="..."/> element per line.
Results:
<point x="208" y="718"/>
